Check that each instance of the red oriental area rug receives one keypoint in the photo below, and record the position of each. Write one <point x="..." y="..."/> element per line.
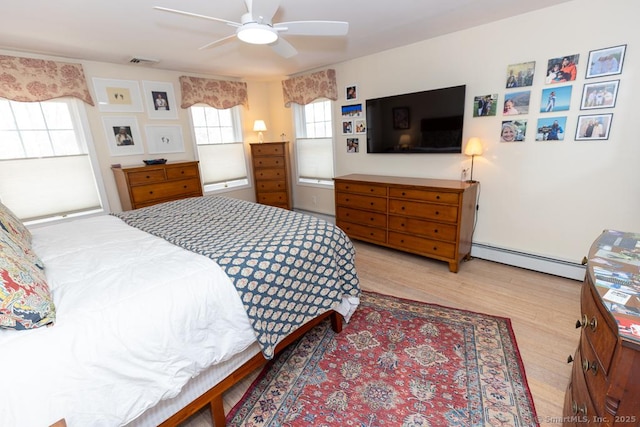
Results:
<point x="396" y="363"/>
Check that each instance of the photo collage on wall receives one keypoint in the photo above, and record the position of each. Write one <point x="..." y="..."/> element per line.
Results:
<point x="353" y="121"/>
<point x="560" y="76"/>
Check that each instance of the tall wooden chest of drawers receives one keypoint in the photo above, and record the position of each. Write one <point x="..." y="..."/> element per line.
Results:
<point x="428" y="217"/>
<point x="271" y="173"/>
<point x="142" y="186"/>
<point x="605" y="381"/>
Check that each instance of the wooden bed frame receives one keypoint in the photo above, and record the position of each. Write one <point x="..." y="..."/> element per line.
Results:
<point x="213" y="397"/>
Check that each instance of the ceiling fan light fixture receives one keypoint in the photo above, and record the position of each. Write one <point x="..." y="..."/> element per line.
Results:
<point x="255" y="33"/>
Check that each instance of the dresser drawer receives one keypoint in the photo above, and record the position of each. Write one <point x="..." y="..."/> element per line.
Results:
<point x="424" y="210"/>
<point x="180" y="172"/>
<point x="270" y="174"/>
<point x="363" y="232"/>
<point x="362" y="217"/>
<point x="582" y="408"/>
<point x="267" y="149"/>
<point x="424" y="195"/>
<point x="167" y="190"/>
<point x="146" y="177"/>
<point x="273" y="198"/>
<point x="593" y="372"/>
<point x="422" y="245"/>
<point x="275" y="185"/>
<point x="602" y="339"/>
<point x="377" y="204"/>
<point x="420" y="227"/>
<point x="268" y="162"/>
<point x="374" y="190"/>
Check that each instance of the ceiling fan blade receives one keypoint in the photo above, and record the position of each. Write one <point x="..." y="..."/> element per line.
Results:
<point x="313" y="28"/>
<point x="196" y="15"/>
<point x="262" y="10"/>
<point x="283" y="48"/>
<point x="215" y="42"/>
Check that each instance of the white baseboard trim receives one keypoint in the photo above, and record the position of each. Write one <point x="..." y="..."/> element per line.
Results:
<point x="557" y="267"/>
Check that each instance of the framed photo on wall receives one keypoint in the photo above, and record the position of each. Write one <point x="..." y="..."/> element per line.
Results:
<point x="164" y="139"/>
<point x="516" y="103"/>
<point x="485" y="105"/>
<point x="599" y="95"/>
<point x="562" y="69"/>
<point x="606" y="62"/>
<point x="123" y="136"/>
<point x="347" y="127"/>
<point x="160" y="100"/>
<point x="556" y="99"/>
<point x="520" y="75"/>
<point x="593" y="127"/>
<point x="118" y="96"/>
<point x="351" y="93"/>
<point x="551" y="128"/>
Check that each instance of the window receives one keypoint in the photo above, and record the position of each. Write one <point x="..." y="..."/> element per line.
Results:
<point x="220" y="148"/>
<point x="46" y="164"/>
<point x="314" y="143"/>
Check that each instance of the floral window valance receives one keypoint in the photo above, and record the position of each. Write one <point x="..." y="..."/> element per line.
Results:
<point x="220" y="94"/>
<point x="31" y="80"/>
<point x="305" y="89"/>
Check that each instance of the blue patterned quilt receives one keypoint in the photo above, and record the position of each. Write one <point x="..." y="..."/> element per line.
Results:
<point x="287" y="267"/>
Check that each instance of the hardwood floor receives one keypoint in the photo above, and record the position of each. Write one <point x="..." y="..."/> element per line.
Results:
<point x="543" y="310"/>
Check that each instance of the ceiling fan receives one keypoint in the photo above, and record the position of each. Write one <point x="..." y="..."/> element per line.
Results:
<point x="256" y="27"/>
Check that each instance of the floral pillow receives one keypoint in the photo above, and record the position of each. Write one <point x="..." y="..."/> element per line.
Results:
<point x="11" y="224"/>
<point x="25" y="299"/>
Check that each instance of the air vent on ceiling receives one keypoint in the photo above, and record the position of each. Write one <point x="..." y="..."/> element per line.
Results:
<point x="143" y="61"/>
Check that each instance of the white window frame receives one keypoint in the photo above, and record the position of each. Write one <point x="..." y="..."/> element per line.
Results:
<point x="235" y="140"/>
<point x="299" y="117"/>
<point x="83" y="134"/>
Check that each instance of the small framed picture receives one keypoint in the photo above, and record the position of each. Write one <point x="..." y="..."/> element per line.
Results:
<point x="164" y="139"/>
<point x="123" y="136"/>
<point x="160" y="100"/>
<point x="354" y="110"/>
<point x="353" y="145"/>
<point x="606" y="62"/>
<point x="556" y="99"/>
<point x="401" y="118"/>
<point x="599" y="95"/>
<point x="118" y="96"/>
<point x="562" y="69"/>
<point x="516" y="103"/>
<point x="351" y="93"/>
<point x="361" y="126"/>
<point x="513" y="131"/>
<point x="593" y="127"/>
<point x="520" y="75"/>
<point x="485" y="105"/>
<point x="551" y="128"/>
<point x="347" y="127"/>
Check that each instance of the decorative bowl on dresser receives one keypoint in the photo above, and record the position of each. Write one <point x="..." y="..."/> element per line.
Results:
<point x="271" y="173"/>
<point x="140" y="186"/>
<point x="429" y="217"/>
<point x="605" y="381"/>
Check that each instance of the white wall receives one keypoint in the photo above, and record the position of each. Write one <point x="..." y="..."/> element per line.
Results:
<point x="545" y="198"/>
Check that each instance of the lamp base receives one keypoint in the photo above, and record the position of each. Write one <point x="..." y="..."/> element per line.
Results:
<point x="471" y="181"/>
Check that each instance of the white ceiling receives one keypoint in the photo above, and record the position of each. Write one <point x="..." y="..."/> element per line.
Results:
<point x="117" y="30"/>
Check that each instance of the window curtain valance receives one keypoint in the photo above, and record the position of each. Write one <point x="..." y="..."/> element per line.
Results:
<point x="220" y="94"/>
<point x="305" y="89"/>
<point x="32" y="80"/>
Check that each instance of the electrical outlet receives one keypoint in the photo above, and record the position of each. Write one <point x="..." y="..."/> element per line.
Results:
<point x="463" y="175"/>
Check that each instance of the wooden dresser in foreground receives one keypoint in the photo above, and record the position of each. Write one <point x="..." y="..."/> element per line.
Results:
<point x="141" y="186"/>
<point x="271" y="173"/>
<point x="605" y="381"/>
<point x="428" y="217"/>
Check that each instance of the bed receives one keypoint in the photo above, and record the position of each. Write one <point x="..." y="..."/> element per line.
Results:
<point x="157" y="311"/>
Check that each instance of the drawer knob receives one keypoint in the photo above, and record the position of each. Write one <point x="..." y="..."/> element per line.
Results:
<point x="593" y="324"/>
<point x="148" y="177"/>
<point x="182" y="172"/>
<point x="576" y="409"/>
<point x="371" y="189"/>
<point x="593" y="366"/>
<point x="437" y="197"/>
<point x="404" y="194"/>
<point x="584" y="260"/>
<point x="372" y="219"/>
<point x="435" y="231"/>
<point x="150" y="192"/>
<point x="371" y="203"/>
<point x="435" y="248"/>
<point x="570" y="359"/>
<point x="402" y="208"/>
<point x="583" y="322"/>
<point x="437" y="213"/>
<point x="184" y="186"/>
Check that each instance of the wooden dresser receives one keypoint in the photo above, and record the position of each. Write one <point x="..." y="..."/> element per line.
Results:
<point x="605" y="381"/>
<point x="271" y="173"/>
<point x="142" y="186"/>
<point x="428" y="217"/>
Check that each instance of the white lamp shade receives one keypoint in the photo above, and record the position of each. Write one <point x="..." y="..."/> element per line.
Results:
<point x="255" y="33"/>
<point x="474" y="147"/>
<point x="259" y="126"/>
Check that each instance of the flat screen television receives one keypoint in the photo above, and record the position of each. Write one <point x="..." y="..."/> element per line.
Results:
<point x="421" y="122"/>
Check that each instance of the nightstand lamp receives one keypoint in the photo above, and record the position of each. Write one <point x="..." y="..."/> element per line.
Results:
<point x="259" y="126"/>
<point x="473" y="148"/>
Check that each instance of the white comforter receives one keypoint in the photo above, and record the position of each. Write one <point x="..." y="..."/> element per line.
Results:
<point x="137" y="317"/>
